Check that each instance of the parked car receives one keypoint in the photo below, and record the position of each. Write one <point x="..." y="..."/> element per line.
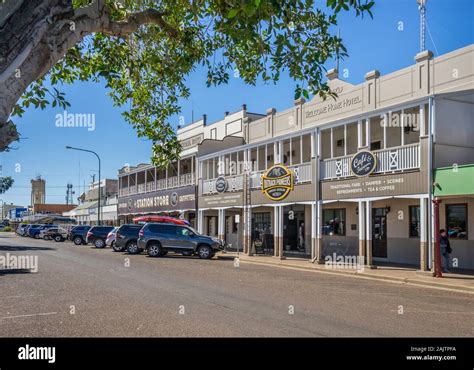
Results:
<point x="97" y="235"/>
<point x="159" y="238"/>
<point x="39" y="234"/>
<point x="58" y="234"/>
<point x="34" y="230"/>
<point x="110" y="241"/>
<point x="78" y="234"/>
<point x="20" y="230"/>
<point x="126" y="239"/>
<point x="29" y="227"/>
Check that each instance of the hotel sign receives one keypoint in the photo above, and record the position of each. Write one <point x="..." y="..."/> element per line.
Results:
<point x="192" y="141"/>
<point x="277" y="182"/>
<point x="363" y="163"/>
<point x="158" y="201"/>
<point x="334" y="106"/>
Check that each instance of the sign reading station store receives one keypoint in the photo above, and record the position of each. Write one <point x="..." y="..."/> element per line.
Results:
<point x="363" y="163"/>
<point x="158" y="201"/>
<point x="277" y="182"/>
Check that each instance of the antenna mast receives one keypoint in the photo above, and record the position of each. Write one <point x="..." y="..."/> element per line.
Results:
<point x="422" y="9"/>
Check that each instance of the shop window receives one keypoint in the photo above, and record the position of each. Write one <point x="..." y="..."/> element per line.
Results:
<point x="411" y="125"/>
<point x="456" y="220"/>
<point x="376" y="145"/>
<point x="235" y="225"/>
<point x="334" y="222"/>
<point x="414" y="226"/>
<point x="338" y="141"/>
<point x="376" y="132"/>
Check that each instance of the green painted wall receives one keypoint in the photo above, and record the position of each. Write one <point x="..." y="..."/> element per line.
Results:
<point x="454" y="180"/>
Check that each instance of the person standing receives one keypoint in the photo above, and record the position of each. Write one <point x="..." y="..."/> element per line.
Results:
<point x="445" y="249"/>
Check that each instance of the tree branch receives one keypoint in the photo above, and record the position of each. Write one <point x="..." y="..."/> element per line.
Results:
<point x="134" y="21"/>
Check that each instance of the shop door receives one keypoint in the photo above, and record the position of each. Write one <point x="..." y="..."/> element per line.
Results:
<point x="262" y="235"/>
<point x="379" y="232"/>
<point x="291" y="234"/>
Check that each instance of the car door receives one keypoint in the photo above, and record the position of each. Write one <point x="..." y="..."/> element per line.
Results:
<point x="168" y="237"/>
<point x="185" y="238"/>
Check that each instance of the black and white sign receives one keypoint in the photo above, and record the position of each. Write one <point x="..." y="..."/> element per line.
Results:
<point x="221" y="184"/>
<point x="363" y="163"/>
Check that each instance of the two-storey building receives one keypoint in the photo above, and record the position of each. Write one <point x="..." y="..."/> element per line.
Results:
<point x="147" y="190"/>
<point x="347" y="176"/>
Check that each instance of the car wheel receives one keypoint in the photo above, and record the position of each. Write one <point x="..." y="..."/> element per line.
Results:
<point x="77" y="240"/>
<point x="99" y="243"/>
<point x="58" y="238"/>
<point x="116" y="248"/>
<point x="155" y="250"/>
<point x="204" y="252"/>
<point x="36" y="236"/>
<point x="132" y="248"/>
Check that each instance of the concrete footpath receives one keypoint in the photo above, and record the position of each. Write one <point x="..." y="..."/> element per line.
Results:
<point x="462" y="283"/>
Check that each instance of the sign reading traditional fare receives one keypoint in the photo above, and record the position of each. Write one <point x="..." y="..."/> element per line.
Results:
<point x="363" y="163"/>
<point x="277" y="182"/>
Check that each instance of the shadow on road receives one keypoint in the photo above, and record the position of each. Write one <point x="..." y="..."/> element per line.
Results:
<point x="19" y="248"/>
<point x="14" y="271"/>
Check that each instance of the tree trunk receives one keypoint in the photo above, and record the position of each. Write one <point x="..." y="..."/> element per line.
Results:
<point x="25" y="52"/>
<point x="36" y="34"/>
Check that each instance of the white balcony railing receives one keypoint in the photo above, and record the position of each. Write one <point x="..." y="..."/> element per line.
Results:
<point x="302" y="173"/>
<point x="160" y="184"/>
<point x="234" y="183"/>
<point x="389" y="160"/>
<point x="186" y="179"/>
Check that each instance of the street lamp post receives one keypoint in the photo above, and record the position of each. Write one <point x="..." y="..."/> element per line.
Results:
<point x="90" y="151"/>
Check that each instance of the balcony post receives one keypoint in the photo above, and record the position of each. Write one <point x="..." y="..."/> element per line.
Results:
<point x="368" y="233"/>
<point x="179" y="172"/>
<point x="362" y="229"/>
<point x="146" y="180"/>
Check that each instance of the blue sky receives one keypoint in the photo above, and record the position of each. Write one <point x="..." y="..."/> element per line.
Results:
<point x="382" y="43"/>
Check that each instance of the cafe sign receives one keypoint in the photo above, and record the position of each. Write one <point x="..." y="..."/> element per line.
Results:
<point x="221" y="184"/>
<point x="363" y="163"/>
<point x="277" y="182"/>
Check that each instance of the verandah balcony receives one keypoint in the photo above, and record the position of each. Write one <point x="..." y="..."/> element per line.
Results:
<point x="401" y="158"/>
<point x="302" y="174"/>
<point x="234" y="183"/>
<point x="160" y="184"/>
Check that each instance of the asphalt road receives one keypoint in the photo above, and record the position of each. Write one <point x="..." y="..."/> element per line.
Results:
<point x="83" y="291"/>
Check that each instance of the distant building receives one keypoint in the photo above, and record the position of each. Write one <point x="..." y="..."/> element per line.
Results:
<point x="52" y="208"/>
<point x="87" y="210"/>
<point x="9" y="209"/>
<point x="38" y="191"/>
